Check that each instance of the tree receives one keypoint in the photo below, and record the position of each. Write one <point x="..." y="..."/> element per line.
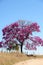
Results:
<point x="20" y="32"/>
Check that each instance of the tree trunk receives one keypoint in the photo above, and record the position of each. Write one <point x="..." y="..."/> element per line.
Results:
<point x="21" y="47"/>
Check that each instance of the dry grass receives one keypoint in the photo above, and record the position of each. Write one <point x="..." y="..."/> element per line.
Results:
<point x="11" y="58"/>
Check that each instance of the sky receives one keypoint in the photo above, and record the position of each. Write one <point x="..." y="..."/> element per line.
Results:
<point x="13" y="10"/>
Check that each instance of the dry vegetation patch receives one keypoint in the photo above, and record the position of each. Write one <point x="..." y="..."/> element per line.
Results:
<point x="11" y="58"/>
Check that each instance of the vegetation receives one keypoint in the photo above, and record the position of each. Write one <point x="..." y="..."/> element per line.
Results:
<point x="11" y="58"/>
<point x="21" y="31"/>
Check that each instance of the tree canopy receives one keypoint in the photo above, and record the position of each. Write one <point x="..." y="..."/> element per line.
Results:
<point x="21" y="31"/>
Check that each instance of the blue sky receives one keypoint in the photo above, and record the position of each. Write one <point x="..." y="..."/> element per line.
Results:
<point x="13" y="10"/>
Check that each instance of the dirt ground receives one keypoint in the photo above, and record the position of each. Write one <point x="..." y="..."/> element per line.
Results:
<point x="36" y="61"/>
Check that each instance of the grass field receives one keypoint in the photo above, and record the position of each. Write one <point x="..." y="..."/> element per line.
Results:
<point x="12" y="58"/>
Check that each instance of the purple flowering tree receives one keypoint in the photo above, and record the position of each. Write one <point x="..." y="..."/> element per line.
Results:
<point x="21" y="32"/>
